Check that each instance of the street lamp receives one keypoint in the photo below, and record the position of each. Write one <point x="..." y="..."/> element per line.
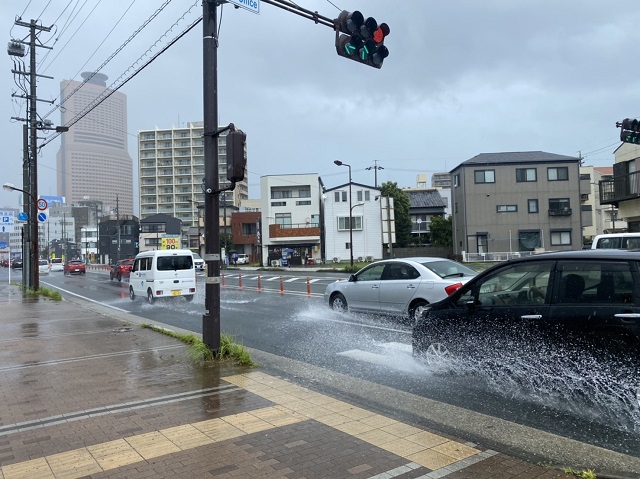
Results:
<point x="30" y="278"/>
<point x="340" y="163"/>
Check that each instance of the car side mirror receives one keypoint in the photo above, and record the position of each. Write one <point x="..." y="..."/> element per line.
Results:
<point x="471" y="304"/>
<point x="352" y="278"/>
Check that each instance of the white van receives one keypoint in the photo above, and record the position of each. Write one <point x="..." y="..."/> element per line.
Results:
<point x="163" y="273"/>
<point x="617" y="241"/>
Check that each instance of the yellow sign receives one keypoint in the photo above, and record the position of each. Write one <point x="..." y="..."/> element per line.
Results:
<point x="169" y="242"/>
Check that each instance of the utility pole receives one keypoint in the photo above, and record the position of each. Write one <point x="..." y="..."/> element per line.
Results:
<point x="30" y="156"/>
<point x="375" y="168"/>
<point x="211" y="316"/>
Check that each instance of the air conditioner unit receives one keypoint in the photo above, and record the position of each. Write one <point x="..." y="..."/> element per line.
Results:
<point x="360" y="259"/>
<point x="275" y="263"/>
<point x="336" y="260"/>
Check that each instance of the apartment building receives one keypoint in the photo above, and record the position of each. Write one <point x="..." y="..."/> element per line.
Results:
<point x="93" y="160"/>
<point x="290" y="228"/>
<point x="171" y="167"/>
<point x="605" y="217"/>
<point x="517" y="202"/>
<point x="622" y="189"/>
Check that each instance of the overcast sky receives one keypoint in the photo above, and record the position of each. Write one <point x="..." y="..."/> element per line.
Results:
<point x="463" y="77"/>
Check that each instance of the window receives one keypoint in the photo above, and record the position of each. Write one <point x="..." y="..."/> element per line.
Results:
<point x="529" y="240"/>
<point x="367" y="196"/>
<point x="303" y="203"/>
<point x="485" y="176"/>
<point x="336" y="197"/>
<point x="249" y="229"/>
<point x="343" y="223"/>
<point x="174" y="263"/>
<point x="372" y="273"/>
<point x="280" y="193"/>
<point x="526" y="174"/>
<point x="507" y="208"/>
<point x="359" y="195"/>
<point x="399" y="271"/>
<point x="126" y="230"/>
<point x="560" y="206"/>
<point x="278" y="203"/>
<point x="304" y="192"/>
<point x="456" y="181"/>
<point x="344" y="196"/>
<point x="152" y="227"/>
<point x="560" y="238"/>
<point x="283" y="219"/>
<point x="558" y="174"/>
<point x="532" y="206"/>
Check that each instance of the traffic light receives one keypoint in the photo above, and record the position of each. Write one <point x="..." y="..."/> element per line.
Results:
<point x="236" y="163"/>
<point x="361" y="39"/>
<point x="630" y="132"/>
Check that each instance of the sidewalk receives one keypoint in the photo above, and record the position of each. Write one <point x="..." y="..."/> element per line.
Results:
<point x="86" y="392"/>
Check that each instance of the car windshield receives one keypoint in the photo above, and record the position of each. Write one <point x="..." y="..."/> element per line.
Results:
<point x="448" y="269"/>
<point x="43" y="262"/>
<point x="196" y="256"/>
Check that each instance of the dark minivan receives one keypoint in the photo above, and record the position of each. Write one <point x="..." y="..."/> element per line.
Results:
<point x="586" y="300"/>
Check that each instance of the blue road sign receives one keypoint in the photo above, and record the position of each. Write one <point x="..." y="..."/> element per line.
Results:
<point x="22" y="216"/>
<point x="42" y="216"/>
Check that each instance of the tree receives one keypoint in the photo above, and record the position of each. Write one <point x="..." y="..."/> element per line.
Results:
<point x="441" y="230"/>
<point x="400" y="210"/>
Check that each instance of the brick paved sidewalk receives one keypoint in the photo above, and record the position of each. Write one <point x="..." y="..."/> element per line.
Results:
<point x="91" y="394"/>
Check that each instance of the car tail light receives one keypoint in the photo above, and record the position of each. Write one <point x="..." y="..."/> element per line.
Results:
<point x="192" y="290"/>
<point x="159" y="293"/>
<point x="452" y="288"/>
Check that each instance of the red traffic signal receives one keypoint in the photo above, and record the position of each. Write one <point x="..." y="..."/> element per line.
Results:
<point x="362" y="40"/>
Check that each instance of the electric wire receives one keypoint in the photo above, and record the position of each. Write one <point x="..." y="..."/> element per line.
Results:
<point x="102" y="98"/>
<point x="118" y="50"/>
<point x="25" y="9"/>
<point x="45" y="8"/>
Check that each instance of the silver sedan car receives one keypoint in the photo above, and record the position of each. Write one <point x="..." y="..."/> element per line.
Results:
<point x="399" y="287"/>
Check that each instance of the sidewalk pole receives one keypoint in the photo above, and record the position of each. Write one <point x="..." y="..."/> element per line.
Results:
<point x="222" y="274"/>
<point x="281" y="285"/>
<point x="240" y="280"/>
<point x="259" y="285"/>
<point x="308" y="287"/>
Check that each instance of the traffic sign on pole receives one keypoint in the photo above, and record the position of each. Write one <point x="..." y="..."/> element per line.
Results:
<point x="42" y="204"/>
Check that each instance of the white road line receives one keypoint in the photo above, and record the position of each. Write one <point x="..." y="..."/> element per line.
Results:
<point x="291" y="280"/>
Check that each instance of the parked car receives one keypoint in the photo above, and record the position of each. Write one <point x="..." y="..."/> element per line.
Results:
<point x="57" y="264"/>
<point x="121" y="269"/>
<point x="5" y="263"/>
<point x="398" y="286"/>
<point x="75" y="266"/>
<point x="16" y="264"/>
<point x="242" y="259"/>
<point x="579" y="301"/>
<point x="43" y="266"/>
<point x="616" y="241"/>
<point x="198" y="262"/>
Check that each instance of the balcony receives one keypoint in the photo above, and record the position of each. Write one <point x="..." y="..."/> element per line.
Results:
<point x="620" y="188"/>
<point x="560" y="212"/>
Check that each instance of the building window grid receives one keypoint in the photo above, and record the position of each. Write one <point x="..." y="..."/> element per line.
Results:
<point x="485" y="176"/>
<point x="526" y="175"/>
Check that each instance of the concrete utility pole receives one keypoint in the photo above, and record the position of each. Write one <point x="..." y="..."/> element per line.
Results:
<point x="211" y="316"/>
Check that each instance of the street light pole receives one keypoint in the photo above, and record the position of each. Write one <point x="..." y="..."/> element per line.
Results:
<point x="340" y="163"/>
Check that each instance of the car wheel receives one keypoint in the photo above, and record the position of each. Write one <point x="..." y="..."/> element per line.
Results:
<point x="435" y="353"/>
<point x="189" y="298"/>
<point x="110" y="277"/>
<point x="338" y="302"/>
<point x="416" y="310"/>
<point x="132" y="295"/>
<point x="119" y="278"/>
<point x="150" y="298"/>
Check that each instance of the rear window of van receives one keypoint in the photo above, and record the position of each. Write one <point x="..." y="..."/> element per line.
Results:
<point x="56" y="261"/>
<point x="174" y="263"/>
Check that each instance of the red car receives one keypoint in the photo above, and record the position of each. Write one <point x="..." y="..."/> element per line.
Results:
<point x="75" y="266"/>
<point x="120" y="269"/>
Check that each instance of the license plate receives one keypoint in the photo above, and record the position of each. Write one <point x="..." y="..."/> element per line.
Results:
<point x="176" y="292"/>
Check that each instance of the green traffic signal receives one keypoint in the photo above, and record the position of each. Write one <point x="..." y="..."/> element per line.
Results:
<point x="361" y="40"/>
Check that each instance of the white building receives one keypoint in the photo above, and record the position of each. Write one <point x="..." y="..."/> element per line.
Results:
<point x="366" y="228"/>
<point x="290" y="218"/>
<point x="172" y="169"/>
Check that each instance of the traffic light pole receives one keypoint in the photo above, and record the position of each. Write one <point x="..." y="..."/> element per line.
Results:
<point x="211" y="316"/>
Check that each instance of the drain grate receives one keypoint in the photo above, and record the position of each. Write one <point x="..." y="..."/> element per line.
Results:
<point x="122" y="330"/>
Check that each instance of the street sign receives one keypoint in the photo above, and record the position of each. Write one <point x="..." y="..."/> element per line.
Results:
<point x="42" y="204"/>
<point x="42" y="217"/>
<point x="22" y="216"/>
<point x="6" y="221"/>
<point x="251" y="5"/>
<point x="3" y="245"/>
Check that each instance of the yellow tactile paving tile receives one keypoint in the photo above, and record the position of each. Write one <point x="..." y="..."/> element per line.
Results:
<point x="431" y="459"/>
<point x="114" y="454"/>
<point x="152" y="444"/>
<point x="218" y="430"/>
<point x="426" y="439"/>
<point x="247" y="422"/>
<point x="401" y="430"/>
<point x="353" y="427"/>
<point x="28" y="470"/>
<point x="456" y="450"/>
<point x="186" y="437"/>
<point x="72" y="464"/>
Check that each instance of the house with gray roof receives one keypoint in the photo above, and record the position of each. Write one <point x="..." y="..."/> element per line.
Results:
<point x="424" y="204"/>
<point x="513" y="203"/>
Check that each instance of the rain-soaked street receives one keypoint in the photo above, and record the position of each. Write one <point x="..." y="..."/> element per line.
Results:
<point x="533" y="386"/>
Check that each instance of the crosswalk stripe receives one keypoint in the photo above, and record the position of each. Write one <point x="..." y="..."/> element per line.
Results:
<point x="291" y="280"/>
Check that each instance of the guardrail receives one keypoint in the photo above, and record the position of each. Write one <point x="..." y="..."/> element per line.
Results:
<point x="498" y="256"/>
